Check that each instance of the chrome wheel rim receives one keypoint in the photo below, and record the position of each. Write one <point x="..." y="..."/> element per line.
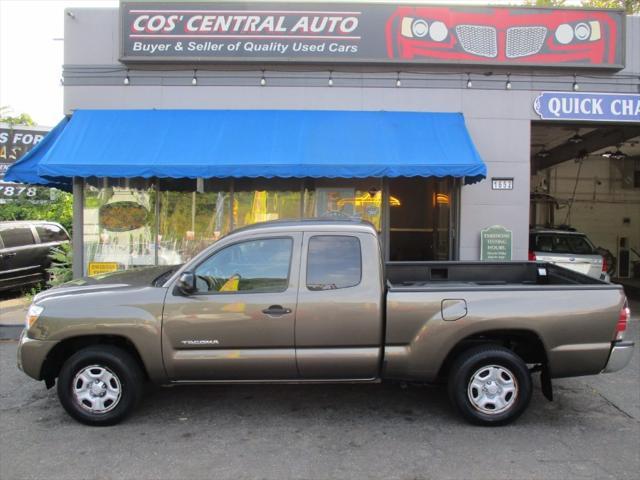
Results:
<point x="493" y="389"/>
<point x="96" y="389"/>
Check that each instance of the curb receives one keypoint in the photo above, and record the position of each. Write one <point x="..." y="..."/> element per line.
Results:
<point x="10" y="332"/>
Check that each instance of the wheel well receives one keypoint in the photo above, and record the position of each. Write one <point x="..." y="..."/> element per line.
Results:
<point x="63" y="350"/>
<point x="524" y="343"/>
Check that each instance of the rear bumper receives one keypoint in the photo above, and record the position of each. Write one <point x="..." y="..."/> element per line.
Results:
<point x="620" y="356"/>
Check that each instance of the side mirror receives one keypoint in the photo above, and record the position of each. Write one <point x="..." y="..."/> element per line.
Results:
<point x="186" y="284"/>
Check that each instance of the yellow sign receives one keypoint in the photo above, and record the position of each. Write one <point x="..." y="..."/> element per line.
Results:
<point x="231" y="285"/>
<point x="97" y="268"/>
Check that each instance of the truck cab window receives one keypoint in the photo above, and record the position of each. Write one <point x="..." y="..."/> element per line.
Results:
<point x="333" y="261"/>
<point x="252" y="266"/>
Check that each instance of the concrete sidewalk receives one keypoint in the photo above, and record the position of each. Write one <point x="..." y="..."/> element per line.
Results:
<point x="12" y="311"/>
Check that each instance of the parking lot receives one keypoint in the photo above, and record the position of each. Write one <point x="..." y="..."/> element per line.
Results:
<point x="591" y="430"/>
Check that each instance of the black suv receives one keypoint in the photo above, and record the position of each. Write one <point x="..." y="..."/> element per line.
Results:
<point x="24" y="251"/>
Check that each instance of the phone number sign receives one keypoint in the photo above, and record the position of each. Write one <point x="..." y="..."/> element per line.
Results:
<point x="14" y="143"/>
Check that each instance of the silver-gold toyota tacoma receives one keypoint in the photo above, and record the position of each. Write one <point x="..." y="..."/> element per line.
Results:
<point x="314" y="302"/>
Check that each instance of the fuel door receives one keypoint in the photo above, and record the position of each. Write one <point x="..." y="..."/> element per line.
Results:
<point x="453" y="309"/>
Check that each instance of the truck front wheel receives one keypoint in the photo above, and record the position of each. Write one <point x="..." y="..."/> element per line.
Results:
<point x="489" y="385"/>
<point x="100" y="385"/>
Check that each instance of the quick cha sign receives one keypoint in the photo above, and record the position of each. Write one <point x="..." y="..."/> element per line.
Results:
<point x="598" y="107"/>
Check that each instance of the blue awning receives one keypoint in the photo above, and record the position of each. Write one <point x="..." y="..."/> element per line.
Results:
<point x="25" y="170"/>
<point x="252" y="143"/>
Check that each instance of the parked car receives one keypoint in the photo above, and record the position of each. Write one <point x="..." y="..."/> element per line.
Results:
<point x="24" y="251"/>
<point x="568" y="249"/>
<point x="313" y="302"/>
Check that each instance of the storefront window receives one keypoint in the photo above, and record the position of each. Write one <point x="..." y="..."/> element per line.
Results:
<point x="191" y="218"/>
<point x="261" y="200"/>
<point x="119" y="225"/>
<point x="344" y="199"/>
<point x="132" y="223"/>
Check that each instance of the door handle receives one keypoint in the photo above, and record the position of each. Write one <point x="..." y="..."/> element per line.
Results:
<point x="276" y="310"/>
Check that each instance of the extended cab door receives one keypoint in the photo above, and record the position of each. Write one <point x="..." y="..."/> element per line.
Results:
<point x="339" y="322"/>
<point x="239" y="324"/>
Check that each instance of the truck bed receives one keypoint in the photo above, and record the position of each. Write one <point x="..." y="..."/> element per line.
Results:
<point x="465" y="275"/>
<point x="431" y="306"/>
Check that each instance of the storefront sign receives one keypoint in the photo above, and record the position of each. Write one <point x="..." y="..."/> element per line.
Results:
<point x="495" y="244"/>
<point x="370" y="33"/>
<point x="599" y="107"/>
<point x="14" y="143"/>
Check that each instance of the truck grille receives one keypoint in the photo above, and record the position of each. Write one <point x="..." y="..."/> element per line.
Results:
<point x="524" y="41"/>
<point x="478" y="40"/>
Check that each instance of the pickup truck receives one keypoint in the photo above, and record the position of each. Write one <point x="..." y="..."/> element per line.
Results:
<point x="313" y="301"/>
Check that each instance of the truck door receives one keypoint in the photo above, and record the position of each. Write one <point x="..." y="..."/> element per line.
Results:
<point x="239" y="324"/>
<point x="339" y="318"/>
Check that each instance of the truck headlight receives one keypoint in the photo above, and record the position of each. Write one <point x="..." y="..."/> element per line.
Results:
<point x="32" y="315"/>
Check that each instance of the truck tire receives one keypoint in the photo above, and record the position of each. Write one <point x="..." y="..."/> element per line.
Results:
<point x="489" y="385"/>
<point x="100" y="385"/>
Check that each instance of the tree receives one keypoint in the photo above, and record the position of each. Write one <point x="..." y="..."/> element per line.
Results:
<point x="545" y="3"/>
<point x="629" y="6"/>
<point x="59" y="209"/>
<point x="22" y="119"/>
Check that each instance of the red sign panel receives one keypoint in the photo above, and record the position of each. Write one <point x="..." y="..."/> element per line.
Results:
<point x="506" y="35"/>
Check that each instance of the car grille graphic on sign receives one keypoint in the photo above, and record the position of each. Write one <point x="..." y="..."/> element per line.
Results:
<point x="478" y="40"/>
<point x="525" y="41"/>
<point x="506" y="36"/>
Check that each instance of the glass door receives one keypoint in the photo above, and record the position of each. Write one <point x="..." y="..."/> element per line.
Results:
<point x="420" y="219"/>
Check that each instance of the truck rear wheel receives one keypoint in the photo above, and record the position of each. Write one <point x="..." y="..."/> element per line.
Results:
<point x="490" y="385"/>
<point x="100" y="385"/>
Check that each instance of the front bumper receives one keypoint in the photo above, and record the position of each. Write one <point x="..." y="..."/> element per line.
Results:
<point x="620" y="356"/>
<point x="32" y="354"/>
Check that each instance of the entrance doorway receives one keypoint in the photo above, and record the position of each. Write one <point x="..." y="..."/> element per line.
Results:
<point x="421" y="219"/>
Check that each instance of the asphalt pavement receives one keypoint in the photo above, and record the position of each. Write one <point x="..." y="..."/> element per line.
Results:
<point x="591" y="430"/>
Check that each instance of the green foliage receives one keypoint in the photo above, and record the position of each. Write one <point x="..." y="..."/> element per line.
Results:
<point x="59" y="209"/>
<point x="629" y="6"/>
<point x="32" y="292"/>
<point x="6" y="116"/>
<point x="60" y="270"/>
<point x="545" y="3"/>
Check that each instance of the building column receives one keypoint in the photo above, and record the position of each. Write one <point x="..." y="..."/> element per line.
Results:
<point x="78" y="227"/>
